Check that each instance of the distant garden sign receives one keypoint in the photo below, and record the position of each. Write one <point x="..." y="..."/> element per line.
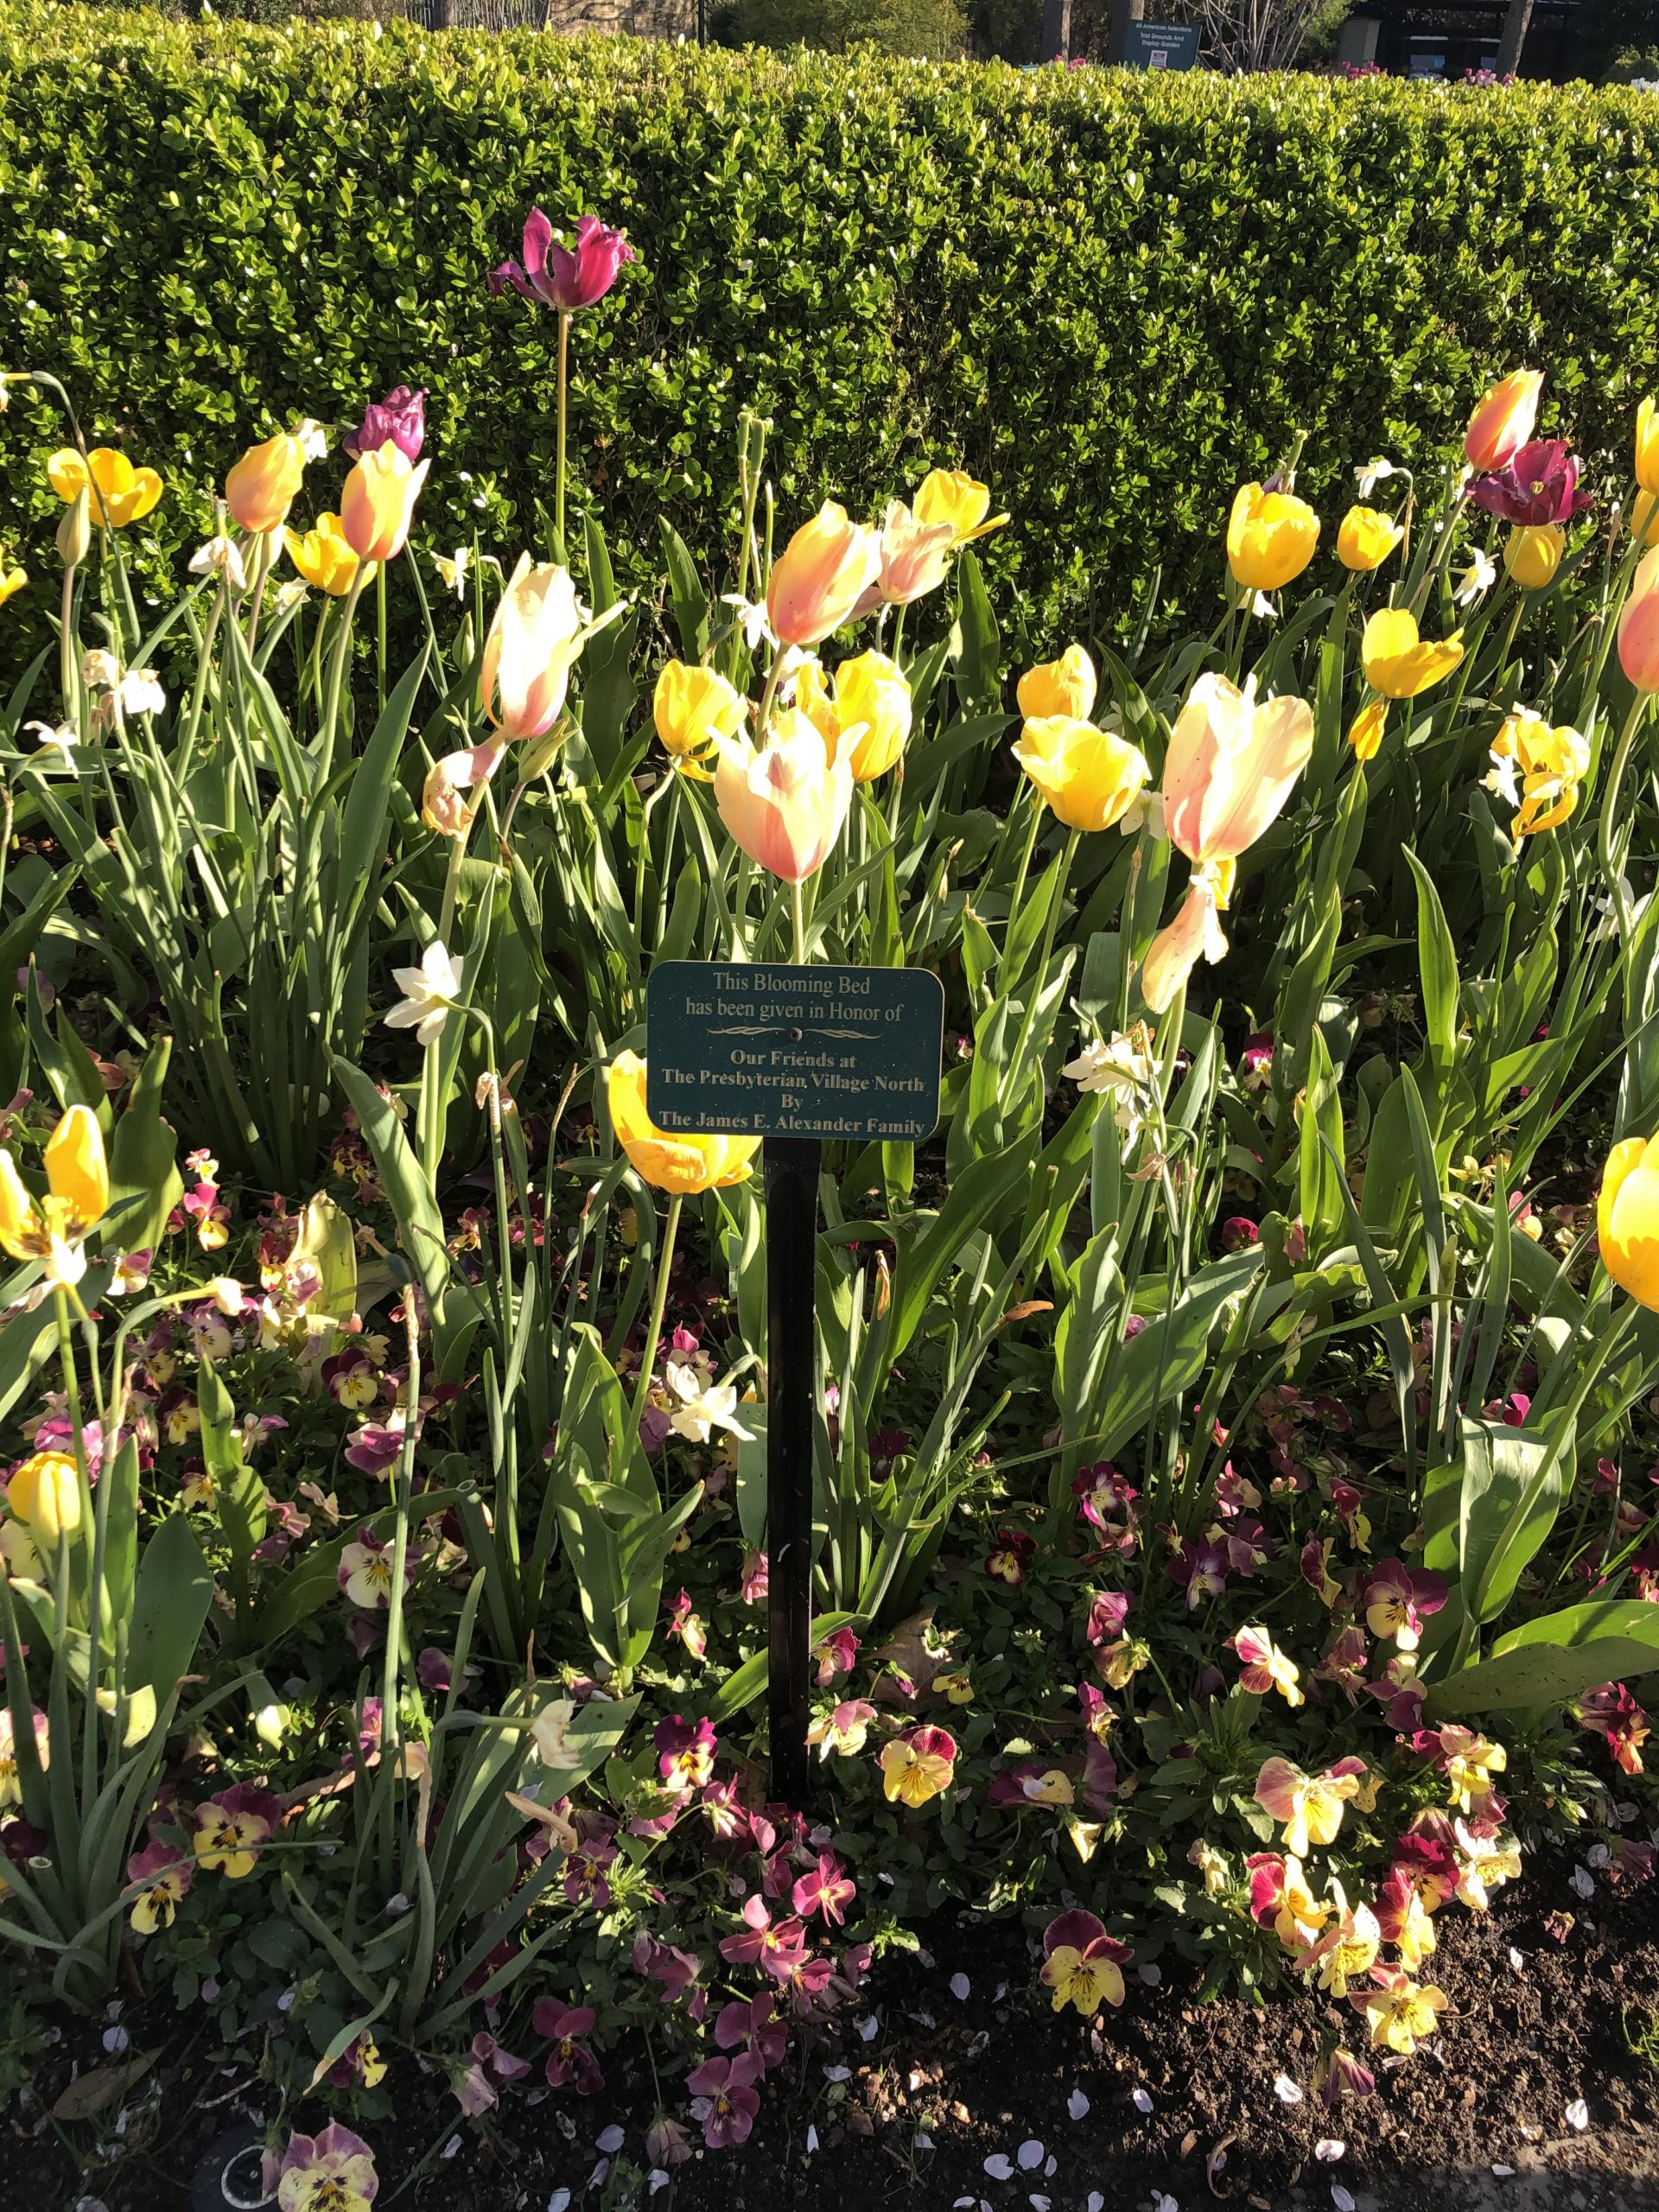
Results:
<point x="1160" y="46"/>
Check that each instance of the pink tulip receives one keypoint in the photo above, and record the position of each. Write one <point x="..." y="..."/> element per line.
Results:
<point x="914" y="555"/>
<point x="1638" y="626"/>
<point x="1503" y="423"/>
<point x="1231" y="766"/>
<point x="784" y="803"/>
<point x="820" y="576"/>
<point x="558" y="277"/>
<point x="399" y="417"/>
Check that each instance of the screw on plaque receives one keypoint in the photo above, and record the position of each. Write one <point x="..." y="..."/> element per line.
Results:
<point x="794" y="1036"/>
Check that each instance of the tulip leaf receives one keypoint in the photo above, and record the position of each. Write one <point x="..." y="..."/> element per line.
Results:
<point x="1510" y="1495"/>
<point x="174" y="1591"/>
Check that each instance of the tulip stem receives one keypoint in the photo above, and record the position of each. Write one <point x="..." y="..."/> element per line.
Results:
<point x="68" y="668"/>
<point x="380" y="633"/>
<point x="337" y="678"/>
<point x="658" y="1306"/>
<point x="563" y="399"/>
<point x="1057" y="899"/>
<point x="1607" y="825"/>
<point x="797" y="916"/>
<point x="1017" y="896"/>
<point x="261" y="571"/>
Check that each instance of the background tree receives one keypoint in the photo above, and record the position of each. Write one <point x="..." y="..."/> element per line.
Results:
<point x="932" y="30"/>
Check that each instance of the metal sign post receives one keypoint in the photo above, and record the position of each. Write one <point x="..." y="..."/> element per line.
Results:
<point x="794" y="1056"/>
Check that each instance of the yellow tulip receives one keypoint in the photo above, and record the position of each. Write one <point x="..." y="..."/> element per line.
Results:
<point x="120" y="494"/>
<point x="1365" y="731"/>
<point x="813" y="699"/>
<point x="264" y="485"/>
<point x="1365" y="538"/>
<point x="1066" y="686"/>
<point x="378" y="504"/>
<point x="691" y="706"/>
<point x="1638" y="626"/>
<point x="681" y="1164"/>
<point x="1647" y="446"/>
<point x="11" y="580"/>
<point x="1627" y="1218"/>
<point x="872" y="696"/>
<point x="1644" y="517"/>
<point x="1552" y="764"/>
<point x="1090" y="778"/>
<point x="52" y="1228"/>
<point x="1398" y="663"/>
<point x="322" y="556"/>
<point x="76" y="1170"/>
<point x="1503" y="422"/>
<point x="951" y="495"/>
<point x="1270" y="537"/>
<point x="45" y="1496"/>
<point x="821" y="576"/>
<point x="1532" y="556"/>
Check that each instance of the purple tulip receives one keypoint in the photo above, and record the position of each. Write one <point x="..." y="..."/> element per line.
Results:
<point x="556" y="275"/>
<point x="398" y="419"/>
<point x="1540" y="486"/>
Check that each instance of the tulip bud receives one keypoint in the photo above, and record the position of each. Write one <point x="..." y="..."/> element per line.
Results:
<point x="1503" y="422"/>
<point x="263" y="486"/>
<point x="1638" y="626"/>
<point x="1532" y="556"/>
<point x="76" y="1169"/>
<point x="691" y="705"/>
<point x="76" y="530"/>
<point x="1627" y="1219"/>
<point x="1066" y="686"/>
<point x="1270" y="537"/>
<point x="1365" y="539"/>
<point x="1647" y="447"/>
<point x="44" y="1494"/>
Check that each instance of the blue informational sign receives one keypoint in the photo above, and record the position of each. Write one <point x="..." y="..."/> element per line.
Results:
<point x="1160" y="46"/>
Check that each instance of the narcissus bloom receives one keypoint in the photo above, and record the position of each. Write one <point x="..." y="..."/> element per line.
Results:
<point x="1082" y="1964"/>
<point x="53" y="1228"/>
<point x="118" y="493"/>
<point x="681" y="1164"/>
<point x="1398" y="663"/>
<point x="166" y="1875"/>
<point x="820" y="576"/>
<point x="1540" y="770"/>
<point x="1627" y="1218"/>
<point x="330" y="2172"/>
<point x="784" y="803"/>
<point x="1264" y="1666"/>
<point x="1066" y="686"/>
<point x="560" y="277"/>
<point x="44" y="1494"/>
<point x="1310" y="1807"/>
<point x="872" y="710"/>
<point x="1270" y="537"/>
<point x="1365" y="538"/>
<point x="431" y="994"/>
<point x="1503" y="422"/>
<point x="918" y="1765"/>
<point x="378" y="504"/>
<point x="691" y="707"/>
<point x="264" y="485"/>
<point x="232" y="1828"/>
<point x="1087" y="777"/>
<point x="1399" y="2013"/>
<point x="322" y="556"/>
<point x="951" y="495"/>
<point x="1638" y="626"/>
<point x="1231" y="763"/>
<point x="1533" y="555"/>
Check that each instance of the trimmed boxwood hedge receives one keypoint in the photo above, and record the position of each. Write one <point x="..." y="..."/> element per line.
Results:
<point x="1114" y="296"/>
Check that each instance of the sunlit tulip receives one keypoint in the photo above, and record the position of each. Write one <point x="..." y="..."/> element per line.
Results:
<point x="1638" y="626"/>
<point x="693" y="705"/>
<point x="1232" y="763"/>
<point x="1066" y="686"/>
<point x="1644" y="517"/>
<point x="1195" y="934"/>
<point x="1365" y="537"/>
<point x="1270" y="537"/>
<point x="44" y="1494"/>
<point x="1539" y="770"/>
<point x="11" y="580"/>
<point x="1533" y="555"/>
<point x="536" y="639"/>
<point x="821" y="576"/>
<point x="120" y="494"/>
<point x="264" y="485"/>
<point x="378" y="504"/>
<point x="1539" y="485"/>
<point x="560" y="277"/>
<point x="1365" y="731"/>
<point x="1627" y="1218"/>
<point x="914" y="555"/>
<point x="677" y="1163"/>
<point x="951" y="495"/>
<point x="322" y="556"/>
<point x="784" y="803"/>
<point x="873" y="698"/>
<point x="1503" y="422"/>
<point x="400" y="417"/>
<point x="444" y="806"/>
<point x="1647" y="446"/>
<point x="78" y="1194"/>
<point x="1089" y="778"/>
<point x="1398" y="663"/>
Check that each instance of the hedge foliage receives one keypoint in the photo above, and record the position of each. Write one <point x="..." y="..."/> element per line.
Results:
<point x="1114" y="296"/>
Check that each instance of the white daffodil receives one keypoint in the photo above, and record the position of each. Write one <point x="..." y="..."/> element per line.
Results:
<point x="431" y="993"/>
<point x="99" y="670"/>
<point x="1500" y="780"/>
<point x="1479" y="576"/>
<point x="1122" y="1071"/>
<point x="220" y="557"/>
<point x="704" y="1407"/>
<point x="62" y="740"/>
<point x="141" y="692"/>
<point x="752" y="615"/>
<point x="1263" y="605"/>
<point x="454" y="572"/>
<point x="1370" y="474"/>
<point x="313" y="439"/>
<point x="549" y="1731"/>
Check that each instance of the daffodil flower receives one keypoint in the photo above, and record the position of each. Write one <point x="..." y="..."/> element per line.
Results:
<point x="431" y="994"/>
<point x="704" y="1407"/>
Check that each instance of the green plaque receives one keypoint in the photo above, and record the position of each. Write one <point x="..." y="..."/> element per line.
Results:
<point x="745" y="1049"/>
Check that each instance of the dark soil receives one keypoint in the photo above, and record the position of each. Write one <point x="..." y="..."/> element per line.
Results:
<point x="936" y="2084"/>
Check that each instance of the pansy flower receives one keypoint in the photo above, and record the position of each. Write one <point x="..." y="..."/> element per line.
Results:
<point x="1119" y="1662"/>
<point x="1009" y="1556"/>
<point x="685" y="1751"/>
<point x="165" y="1872"/>
<point x="1106" y="1500"/>
<point x="724" y="2099"/>
<point x="1348" y="1948"/>
<point x="1399" y="2013"/>
<point x="569" y="2060"/>
<point x="843" y="1729"/>
<point x="365" y="1570"/>
<point x="1031" y="1783"/>
<point x="917" y="1765"/>
<point x="1467" y="1760"/>
<point x="752" y="2024"/>
<point x="665" y="1963"/>
<point x="1344" y="1662"/>
<point x="773" y="1946"/>
<point x="1612" y="1713"/>
<point x="1108" y="1611"/>
<point x="1309" y="1806"/>
<point x="1082" y="1964"/>
<point x="825" y="1890"/>
<point x="1484" y="1864"/>
<point x="1340" y="2075"/>
<point x="231" y="1828"/>
<point x="1398" y="1601"/>
<point x="1403" y="1917"/>
<point x="1199" y="1569"/>
<point x="684" y="1623"/>
<point x="333" y="2172"/>
<point x="1264" y="1666"/>
<point x="1282" y="1899"/>
<point x="834" y="1656"/>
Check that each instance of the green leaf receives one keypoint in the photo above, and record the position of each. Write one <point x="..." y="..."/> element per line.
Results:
<point x="174" y="1590"/>
<point x="1557" y="1656"/>
<point x="745" y="1683"/>
<point x="1510" y="1495"/>
<point x="143" y="1158"/>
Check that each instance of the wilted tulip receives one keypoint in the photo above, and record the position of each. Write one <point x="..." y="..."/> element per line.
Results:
<point x="1231" y="766"/>
<point x="561" y="277"/>
<point x="1066" y="686"/>
<point x="1539" y="485"/>
<point x="820" y="576"/>
<point x="1398" y="663"/>
<point x="1196" y="933"/>
<point x="1533" y="556"/>
<point x="120" y="494"/>
<point x="1089" y="778"/>
<point x="1638" y="626"/>
<point x="915" y="555"/>
<point x="784" y="803"/>
<point x="1270" y="537"/>
<point x="322" y="556"/>
<point x="1647" y="447"/>
<point x="872" y="698"/>
<point x="1627" y="1218"/>
<point x="443" y="807"/>
<point x="399" y="419"/>
<point x="691" y="707"/>
<point x="678" y="1163"/>
<point x="1503" y="423"/>
<point x="264" y="485"/>
<point x="1365" y="538"/>
<point x="44" y="1494"/>
<point x="378" y="504"/>
<point x="951" y="495"/>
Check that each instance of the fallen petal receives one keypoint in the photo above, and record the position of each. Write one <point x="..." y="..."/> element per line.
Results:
<point x="1078" y="2105"/>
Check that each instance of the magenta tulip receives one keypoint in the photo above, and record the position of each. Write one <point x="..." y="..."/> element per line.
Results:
<point x="559" y="276"/>
<point x="398" y="419"/>
<point x="1539" y="486"/>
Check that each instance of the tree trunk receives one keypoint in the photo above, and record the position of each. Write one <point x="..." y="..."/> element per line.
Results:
<point x="1057" y="30"/>
<point x="1514" y="39"/>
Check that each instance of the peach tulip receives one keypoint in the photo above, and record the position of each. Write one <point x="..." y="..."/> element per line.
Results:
<point x="820" y="576"/>
<point x="1503" y="422"/>
<point x="784" y="801"/>
<point x="914" y="555"/>
<point x="1196" y="933"/>
<point x="1231" y="766"/>
<point x="378" y="504"/>
<point x="1638" y="626"/>
<point x="534" y="640"/>
<point x="264" y="485"/>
